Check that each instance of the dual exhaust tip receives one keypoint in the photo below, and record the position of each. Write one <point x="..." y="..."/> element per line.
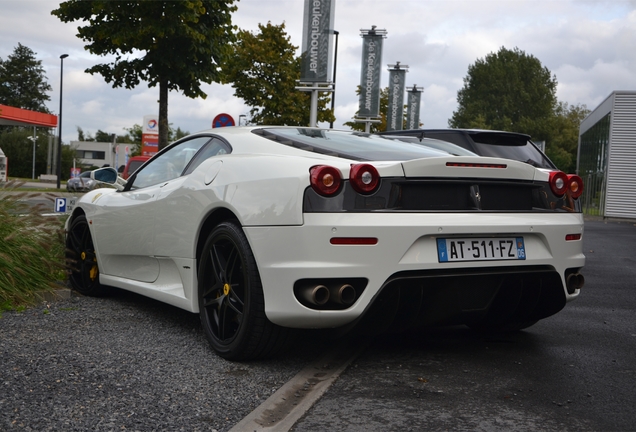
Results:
<point x="319" y="295"/>
<point x="574" y="281"/>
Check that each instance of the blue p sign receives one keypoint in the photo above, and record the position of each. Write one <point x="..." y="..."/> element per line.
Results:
<point x="60" y="205"/>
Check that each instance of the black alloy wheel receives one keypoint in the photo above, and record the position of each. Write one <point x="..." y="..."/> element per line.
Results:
<point x="231" y="302"/>
<point x="82" y="260"/>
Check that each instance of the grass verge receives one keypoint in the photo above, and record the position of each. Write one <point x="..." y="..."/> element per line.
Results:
<point x="32" y="257"/>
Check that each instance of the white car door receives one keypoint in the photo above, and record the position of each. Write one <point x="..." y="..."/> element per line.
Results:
<point x="127" y="223"/>
<point x="123" y="232"/>
<point x="178" y="213"/>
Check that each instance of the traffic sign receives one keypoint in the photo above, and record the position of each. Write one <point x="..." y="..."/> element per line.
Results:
<point x="64" y="205"/>
<point x="223" y="120"/>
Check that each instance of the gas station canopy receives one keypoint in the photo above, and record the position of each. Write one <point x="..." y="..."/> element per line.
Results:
<point x="10" y="116"/>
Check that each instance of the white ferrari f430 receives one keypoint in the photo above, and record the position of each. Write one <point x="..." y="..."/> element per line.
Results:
<point x="265" y="230"/>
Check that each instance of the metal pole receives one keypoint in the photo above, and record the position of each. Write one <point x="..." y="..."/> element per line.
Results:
<point x="313" y="113"/>
<point x="333" y="94"/>
<point x="49" y="151"/>
<point x="59" y="126"/>
<point x="112" y="150"/>
<point x="34" y="139"/>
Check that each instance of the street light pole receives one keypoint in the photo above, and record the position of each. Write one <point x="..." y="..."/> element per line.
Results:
<point x="34" y="139"/>
<point x="59" y="126"/>
<point x="333" y="94"/>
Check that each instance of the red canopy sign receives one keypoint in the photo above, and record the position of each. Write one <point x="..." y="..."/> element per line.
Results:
<point x="11" y="116"/>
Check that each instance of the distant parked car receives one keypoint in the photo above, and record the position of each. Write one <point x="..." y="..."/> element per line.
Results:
<point x="508" y="145"/>
<point x="81" y="183"/>
<point x="133" y="164"/>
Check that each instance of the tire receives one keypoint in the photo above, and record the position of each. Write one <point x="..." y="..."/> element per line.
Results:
<point x="231" y="303"/>
<point x="82" y="260"/>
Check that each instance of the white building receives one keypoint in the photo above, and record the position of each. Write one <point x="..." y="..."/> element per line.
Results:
<point x="99" y="154"/>
<point x="607" y="157"/>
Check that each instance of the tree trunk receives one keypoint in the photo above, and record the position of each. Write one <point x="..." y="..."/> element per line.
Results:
<point x="163" y="113"/>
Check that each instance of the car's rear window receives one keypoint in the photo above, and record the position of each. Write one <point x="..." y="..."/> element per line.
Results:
<point x="348" y="145"/>
<point x="510" y="147"/>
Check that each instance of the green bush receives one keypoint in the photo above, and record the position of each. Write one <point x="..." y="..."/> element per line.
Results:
<point x="31" y="248"/>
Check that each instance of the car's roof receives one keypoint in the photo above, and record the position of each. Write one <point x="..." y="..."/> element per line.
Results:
<point x="319" y="143"/>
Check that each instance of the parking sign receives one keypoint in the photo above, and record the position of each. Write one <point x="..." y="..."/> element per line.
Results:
<point x="64" y="205"/>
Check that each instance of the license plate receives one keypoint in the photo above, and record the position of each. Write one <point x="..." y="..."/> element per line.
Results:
<point x="481" y="249"/>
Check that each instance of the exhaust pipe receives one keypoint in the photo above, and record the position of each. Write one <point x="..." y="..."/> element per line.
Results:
<point x="343" y="294"/>
<point x="317" y="295"/>
<point x="574" y="282"/>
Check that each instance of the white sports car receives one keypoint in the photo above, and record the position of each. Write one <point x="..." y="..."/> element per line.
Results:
<point x="264" y="230"/>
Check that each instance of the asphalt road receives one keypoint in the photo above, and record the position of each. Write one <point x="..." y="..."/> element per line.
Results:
<point x="130" y="363"/>
<point x="574" y="371"/>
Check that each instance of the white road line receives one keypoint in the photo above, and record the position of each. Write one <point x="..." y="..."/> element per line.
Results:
<point x="287" y="405"/>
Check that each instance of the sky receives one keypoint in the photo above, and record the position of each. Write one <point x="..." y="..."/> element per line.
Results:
<point x="587" y="44"/>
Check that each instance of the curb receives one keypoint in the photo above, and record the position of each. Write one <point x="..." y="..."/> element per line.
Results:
<point x="289" y="403"/>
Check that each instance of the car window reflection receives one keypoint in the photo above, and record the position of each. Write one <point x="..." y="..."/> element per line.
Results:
<point x="215" y="147"/>
<point x="168" y="165"/>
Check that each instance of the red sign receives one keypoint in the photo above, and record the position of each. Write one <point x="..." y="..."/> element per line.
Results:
<point x="223" y="120"/>
<point x="149" y="144"/>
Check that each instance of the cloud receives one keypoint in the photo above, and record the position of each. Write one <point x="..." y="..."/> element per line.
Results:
<point x="587" y="44"/>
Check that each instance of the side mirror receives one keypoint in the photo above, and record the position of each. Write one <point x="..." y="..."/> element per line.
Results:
<point x="109" y="176"/>
<point x="105" y="175"/>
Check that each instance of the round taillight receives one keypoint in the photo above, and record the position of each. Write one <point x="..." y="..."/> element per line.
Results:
<point x="364" y="178"/>
<point x="575" y="185"/>
<point x="325" y="180"/>
<point x="558" y="183"/>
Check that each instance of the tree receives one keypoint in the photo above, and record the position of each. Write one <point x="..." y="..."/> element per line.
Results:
<point x="22" y="81"/>
<point x="384" y="106"/>
<point x="100" y="136"/>
<point x="173" y="44"/>
<point x="508" y="90"/>
<point x="17" y="146"/>
<point x="263" y="71"/>
<point x="563" y="137"/>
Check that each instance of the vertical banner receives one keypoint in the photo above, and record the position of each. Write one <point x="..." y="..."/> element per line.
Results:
<point x="369" y="103"/>
<point x="317" y="48"/>
<point x="395" y="109"/>
<point x="150" y="136"/>
<point x="413" y="104"/>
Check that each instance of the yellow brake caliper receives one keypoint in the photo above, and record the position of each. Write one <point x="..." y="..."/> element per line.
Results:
<point x="94" y="271"/>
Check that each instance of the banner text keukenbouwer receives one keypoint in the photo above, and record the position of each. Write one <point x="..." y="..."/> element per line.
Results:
<point x="369" y="102"/>
<point x="413" y="104"/>
<point x="317" y="49"/>
<point x="395" y="113"/>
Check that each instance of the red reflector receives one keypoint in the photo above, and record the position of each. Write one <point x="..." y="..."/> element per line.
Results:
<point x="353" y="241"/>
<point x="474" y="165"/>
<point x="571" y="237"/>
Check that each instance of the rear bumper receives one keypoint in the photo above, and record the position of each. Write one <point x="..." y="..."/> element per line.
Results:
<point x="406" y="256"/>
